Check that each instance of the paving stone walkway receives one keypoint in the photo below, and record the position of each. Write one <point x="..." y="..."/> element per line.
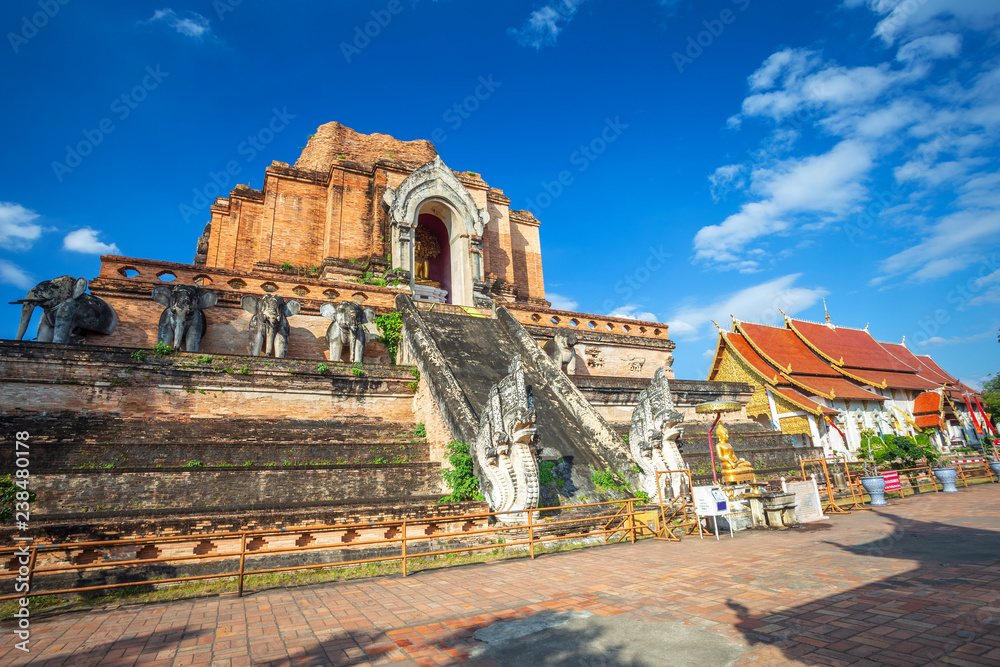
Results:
<point x="914" y="583"/>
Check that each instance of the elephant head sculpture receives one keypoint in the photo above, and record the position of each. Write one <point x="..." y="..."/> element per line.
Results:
<point x="347" y="328"/>
<point x="68" y="311"/>
<point x="560" y="349"/>
<point x="269" y="324"/>
<point x="182" y="324"/>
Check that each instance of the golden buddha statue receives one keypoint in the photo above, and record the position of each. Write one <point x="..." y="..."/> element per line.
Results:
<point x="734" y="469"/>
<point x="425" y="249"/>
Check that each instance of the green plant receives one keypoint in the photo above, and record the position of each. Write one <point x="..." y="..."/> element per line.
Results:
<point x="380" y="461"/>
<point x="11" y="493"/>
<point x="900" y="451"/>
<point x="358" y="369"/>
<point x="459" y="477"/>
<point x="389" y="326"/>
<point x="420" y="431"/>
<point x="244" y="370"/>
<point x="193" y="464"/>
<point x="162" y="350"/>
<point x="286" y="266"/>
<point x="138" y="355"/>
<point x="625" y="438"/>
<point x="204" y="359"/>
<point x="545" y="476"/>
<point x="322" y="368"/>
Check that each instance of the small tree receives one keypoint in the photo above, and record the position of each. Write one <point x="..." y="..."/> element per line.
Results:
<point x="459" y="477"/>
<point x="10" y="495"/>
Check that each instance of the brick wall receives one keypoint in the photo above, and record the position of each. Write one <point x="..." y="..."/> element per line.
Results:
<point x="111" y="490"/>
<point x="43" y="376"/>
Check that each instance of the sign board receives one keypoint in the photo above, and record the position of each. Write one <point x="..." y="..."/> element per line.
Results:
<point x="892" y="482"/>
<point x="808" y="506"/>
<point x="710" y="501"/>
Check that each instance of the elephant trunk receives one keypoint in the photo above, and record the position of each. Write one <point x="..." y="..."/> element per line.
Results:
<point x="178" y="331"/>
<point x="26" y="310"/>
<point x="268" y="339"/>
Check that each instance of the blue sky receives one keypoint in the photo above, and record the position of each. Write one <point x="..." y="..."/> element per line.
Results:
<point x="723" y="156"/>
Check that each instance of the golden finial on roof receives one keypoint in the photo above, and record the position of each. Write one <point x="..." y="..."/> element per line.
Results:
<point x="904" y="341"/>
<point x="866" y="325"/>
<point x="825" y="311"/>
<point x="716" y="325"/>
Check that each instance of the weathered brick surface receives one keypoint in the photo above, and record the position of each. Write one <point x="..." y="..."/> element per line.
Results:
<point x="66" y="441"/>
<point x="214" y="487"/>
<point x="44" y="376"/>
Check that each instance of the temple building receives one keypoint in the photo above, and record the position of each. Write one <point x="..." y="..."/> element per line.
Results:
<point x="826" y="384"/>
<point x="364" y="218"/>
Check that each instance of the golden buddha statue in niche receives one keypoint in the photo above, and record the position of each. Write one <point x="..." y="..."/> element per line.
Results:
<point x="734" y="469"/>
<point x="425" y="248"/>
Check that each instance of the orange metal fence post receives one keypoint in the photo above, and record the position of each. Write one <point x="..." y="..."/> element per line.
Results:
<point x="243" y="554"/>
<point x="404" y="547"/>
<point x="531" y="534"/>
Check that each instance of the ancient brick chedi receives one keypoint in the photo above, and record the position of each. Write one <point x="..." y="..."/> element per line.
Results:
<point x="353" y="198"/>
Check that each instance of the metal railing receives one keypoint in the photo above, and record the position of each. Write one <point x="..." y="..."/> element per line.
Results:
<point x="113" y="557"/>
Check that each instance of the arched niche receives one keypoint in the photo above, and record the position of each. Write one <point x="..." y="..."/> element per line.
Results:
<point x="433" y="190"/>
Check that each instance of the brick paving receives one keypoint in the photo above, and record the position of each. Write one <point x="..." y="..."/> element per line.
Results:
<point x="911" y="584"/>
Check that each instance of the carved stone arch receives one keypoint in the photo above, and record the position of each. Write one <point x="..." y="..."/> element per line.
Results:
<point x="429" y="181"/>
<point x="434" y="182"/>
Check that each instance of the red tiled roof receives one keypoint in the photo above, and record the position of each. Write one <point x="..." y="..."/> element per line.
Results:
<point x="930" y="370"/>
<point x="927" y="403"/>
<point x="892" y="380"/>
<point x="929" y="421"/>
<point x="802" y="400"/>
<point x="851" y="348"/>
<point x="749" y="355"/>
<point x="834" y="387"/>
<point x="783" y="348"/>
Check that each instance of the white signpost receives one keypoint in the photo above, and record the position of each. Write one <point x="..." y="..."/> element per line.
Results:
<point x="808" y="506"/>
<point x="711" y="501"/>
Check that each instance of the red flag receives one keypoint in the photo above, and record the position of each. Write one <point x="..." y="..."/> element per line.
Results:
<point x="830" y="422"/>
<point x="973" y="414"/>
<point x="986" y="420"/>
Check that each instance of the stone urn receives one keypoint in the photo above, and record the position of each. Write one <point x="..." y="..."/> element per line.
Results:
<point x="947" y="477"/>
<point x="995" y="467"/>
<point x="875" y="486"/>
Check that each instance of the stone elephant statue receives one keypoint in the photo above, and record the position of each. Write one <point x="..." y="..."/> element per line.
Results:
<point x="269" y="324"/>
<point x="347" y="328"/>
<point x="68" y="311"/>
<point x="182" y="324"/>
<point x="560" y="349"/>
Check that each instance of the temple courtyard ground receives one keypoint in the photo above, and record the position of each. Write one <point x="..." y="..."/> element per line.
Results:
<point x="914" y="583"/>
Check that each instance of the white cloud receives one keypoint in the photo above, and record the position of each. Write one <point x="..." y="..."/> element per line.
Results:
<point x="12" y="274"/>
<point x="757" y="303"/>
<point x="936" y="341"/>
<point x="18" y="230"/>
<point x="191" y="24"/>
<point x="85" y="240"/>
<point x="932" y="47"/>
<point x="727" y="178"/>
<point x="560" y="302"/>
<point x="817" y="189"/>
<point x="544" y="24"/>
<point x="952" y="244"/>
<point x="632" y="312"/>
<point x="919" y="17"/>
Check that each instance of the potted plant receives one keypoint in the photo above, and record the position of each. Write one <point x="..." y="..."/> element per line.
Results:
<point x="944" y="474"/>
<point x="993" y="455"/>
<point x="873" y="482"/>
